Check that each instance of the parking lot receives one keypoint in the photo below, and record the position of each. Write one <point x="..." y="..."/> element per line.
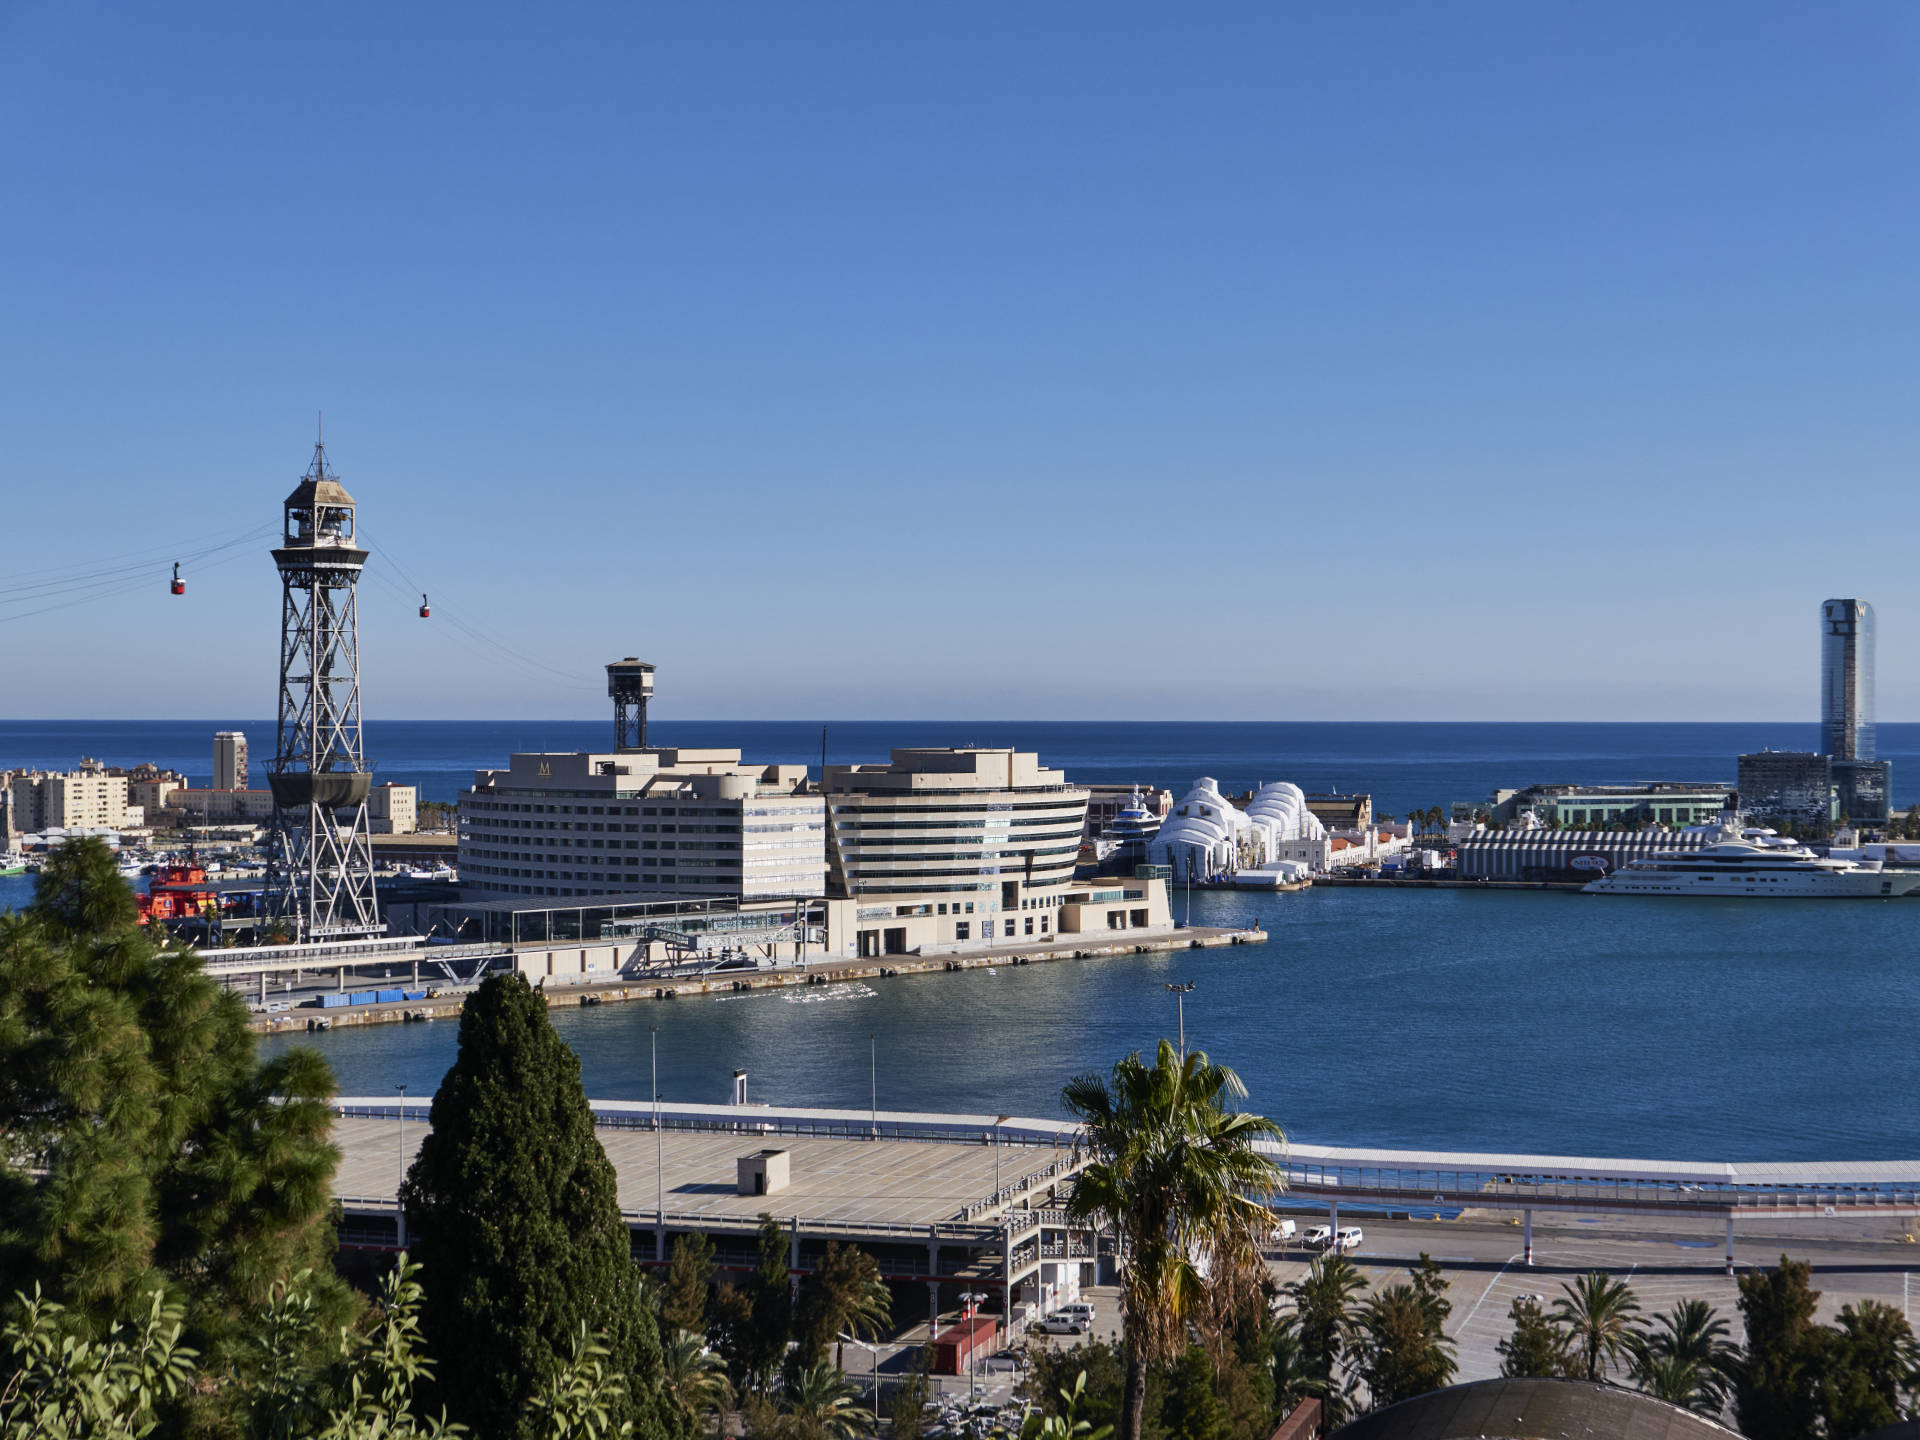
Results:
<point x="1482" y="1259"/>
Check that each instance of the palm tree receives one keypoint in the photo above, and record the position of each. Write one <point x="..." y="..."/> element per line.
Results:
<point x="1177" y="1177"/>
<point x="1691" y="1336"/>
<point x="1325" y="1317"/>
<point x="1678" y="1380"/>
<point x="694" y="1377"/>
<point x="868" y="1314"/>
<point x="821" y="1406"/>
<point x="1597" y="1314"/>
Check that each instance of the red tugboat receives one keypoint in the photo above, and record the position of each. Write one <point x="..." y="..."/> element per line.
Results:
<point x="180" y="892"/>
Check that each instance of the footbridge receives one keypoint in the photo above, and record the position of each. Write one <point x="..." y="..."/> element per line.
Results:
<point x="683" y="1179"/>
<point x="1710" y="1191"/>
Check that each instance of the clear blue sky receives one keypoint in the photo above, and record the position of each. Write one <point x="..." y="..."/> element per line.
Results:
<point x="1280" y="362"/>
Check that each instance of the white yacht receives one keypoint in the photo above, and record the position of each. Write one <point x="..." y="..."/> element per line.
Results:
<point x="1130" y="832"/>
<point x="1758" y="865"/>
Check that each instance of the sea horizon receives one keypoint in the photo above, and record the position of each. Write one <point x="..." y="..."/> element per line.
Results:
<point x="1402" y="764"/>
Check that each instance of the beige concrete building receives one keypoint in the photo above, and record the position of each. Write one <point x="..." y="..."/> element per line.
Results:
<point x="967" y="848"/>
<point x="393" y="809"/>
<point x="201" y="806"/>
<point x="151" y="795"/>
<point x="636" y="822"/>
<point x="89" y="798"/>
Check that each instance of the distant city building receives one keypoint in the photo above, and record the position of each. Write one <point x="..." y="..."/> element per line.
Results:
<point x="638" y="822"/>
<point x="229" y="760"/>
<point x="1578" y="807"/>
<point x="393" y="809"/>
<point x="969" y="844"/>
<point x="148" y="786"/>
<point x="1846" y="680"/>
<point x="90" y="798"/>
<point x="1787" y="785"/>
<point x="1863" y="790"/>
<point x="1342" y="812"/>
<point x="203" y="806"/>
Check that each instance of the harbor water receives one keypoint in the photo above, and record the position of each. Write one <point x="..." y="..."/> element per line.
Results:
<point x="1448" y="1019"/>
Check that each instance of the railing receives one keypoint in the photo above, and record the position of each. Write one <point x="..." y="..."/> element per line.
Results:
<point x="1322" y="1174"/>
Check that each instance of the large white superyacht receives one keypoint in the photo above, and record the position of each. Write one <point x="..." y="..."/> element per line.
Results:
<point x="1756" y="864"/>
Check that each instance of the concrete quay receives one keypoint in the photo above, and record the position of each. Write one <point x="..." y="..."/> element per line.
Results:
<point x="446" y="1002"/>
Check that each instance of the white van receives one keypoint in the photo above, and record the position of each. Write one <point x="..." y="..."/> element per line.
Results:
<point x="1318" y="1237"/>
<point x="1282" y="1232"/>
<point x="1349" y="1238"/>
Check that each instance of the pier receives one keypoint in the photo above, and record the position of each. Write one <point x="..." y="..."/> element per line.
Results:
<point x="348" y="963"/>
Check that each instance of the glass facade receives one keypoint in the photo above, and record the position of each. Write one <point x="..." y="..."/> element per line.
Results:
<point x="1862" y="790"/>
<point x="1846" y="679"/>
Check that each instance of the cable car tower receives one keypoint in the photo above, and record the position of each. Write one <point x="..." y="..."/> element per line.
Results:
<point x="319" y="860"/>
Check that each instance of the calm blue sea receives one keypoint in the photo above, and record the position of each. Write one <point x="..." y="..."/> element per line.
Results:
<point x="1559" y="1023"/>
<point x="1401" y="765"/>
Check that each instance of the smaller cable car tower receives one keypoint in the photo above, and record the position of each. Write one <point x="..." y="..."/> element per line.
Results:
<point x="319" y="861"/>
<point x="630" y="685"/>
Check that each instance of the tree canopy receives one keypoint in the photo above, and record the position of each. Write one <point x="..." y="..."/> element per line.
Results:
<point x="150" y="1149"/>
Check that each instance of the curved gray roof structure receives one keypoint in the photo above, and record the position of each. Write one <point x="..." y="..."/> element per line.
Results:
<point x="1508" y="1409"/>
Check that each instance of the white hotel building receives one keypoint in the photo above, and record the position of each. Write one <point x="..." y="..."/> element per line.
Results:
<point x="637" y="822"/>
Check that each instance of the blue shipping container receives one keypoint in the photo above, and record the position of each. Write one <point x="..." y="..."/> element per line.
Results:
<point x="385" y="995"/>
<point x="361" y="997"/>
<point x="332" y="1002"/>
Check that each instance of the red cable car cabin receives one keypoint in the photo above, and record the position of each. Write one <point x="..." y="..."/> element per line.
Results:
<point x="179" y="585"/>
<point x="425" y="613"/>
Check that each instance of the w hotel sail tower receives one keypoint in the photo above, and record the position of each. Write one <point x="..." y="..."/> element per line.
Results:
<point x="1846" y="709"/>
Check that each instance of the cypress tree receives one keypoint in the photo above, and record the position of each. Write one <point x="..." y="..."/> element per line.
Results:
<point x="512" y="1208"/>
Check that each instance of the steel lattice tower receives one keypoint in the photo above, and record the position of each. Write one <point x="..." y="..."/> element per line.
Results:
<point x="319" y="861"/>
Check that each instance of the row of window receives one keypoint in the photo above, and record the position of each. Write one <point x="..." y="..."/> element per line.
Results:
<point x="482" y="824"/>
<point x="1070" y="817"/>
<point x="865" y="856"/>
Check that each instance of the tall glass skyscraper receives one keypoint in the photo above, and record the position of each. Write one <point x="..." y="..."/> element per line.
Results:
<point x="1846" y="679"/>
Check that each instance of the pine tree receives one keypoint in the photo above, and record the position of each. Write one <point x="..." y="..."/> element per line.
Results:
<point x="148" y="1148"/>
<point x="513" y="1209"/>
<point x="683" y="1299"/>
<point x="1776" y="1382"/>
<point x="762" y="1342"/>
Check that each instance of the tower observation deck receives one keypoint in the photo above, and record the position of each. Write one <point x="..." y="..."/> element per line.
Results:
<point x="319" y="859"/>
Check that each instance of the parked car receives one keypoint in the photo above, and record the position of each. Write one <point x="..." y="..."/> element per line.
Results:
<point x="1318" y="1237"/>
<point x="1060" y="1325"/>
<point x="1349" y="1238"/>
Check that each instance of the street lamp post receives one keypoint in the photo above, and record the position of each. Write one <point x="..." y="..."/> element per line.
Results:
<point x="970" y="1301"/>
<point x="659" y="1162"/>
<point x="1181" y="989"/>
<point x="399" y="1210"/>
